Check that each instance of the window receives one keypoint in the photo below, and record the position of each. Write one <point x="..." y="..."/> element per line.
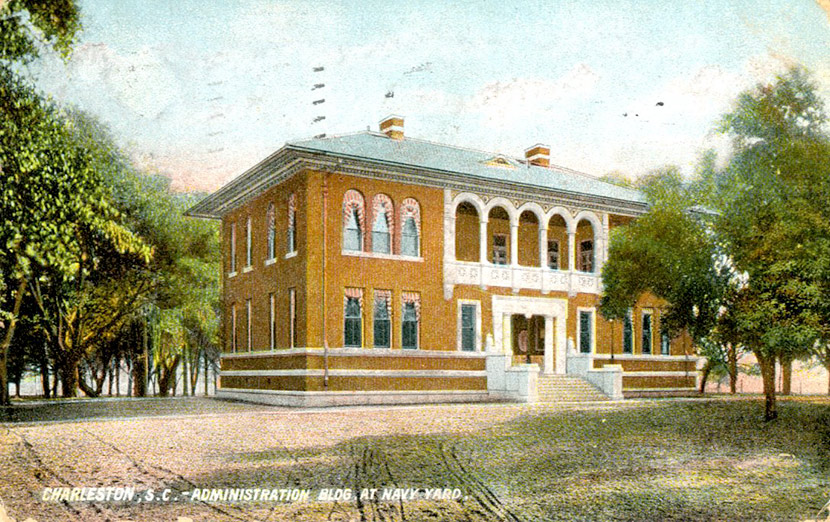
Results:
<point x="499" y="249"/>
<point x="248" y="320"/>
<point x="352" y="322"/>
<point x="410" y="228"/>
<point x="409" y="321"/>
<point x="586" y="331"/>
<point x="382" y="320"/>
<point x="409" y="238"/>
<point x="353" y="215"/>
<point x="233" y="248"/>
<point x="665" y="344"/>
<point x="292" y="224"/>
<point x="272" y="321"/>
<point x="270" y="218"/>
<point x="646" y="332"/>
<point x="233" y="328"/>
<point x="553" y="254"/>
<point x="586" y="256"/>
<point x="628" y="333"/>
<point x="292" y="322"/>
<point x="468" y="327"/>
<point x="248" y="242"/>
<point x="380" y="233"/>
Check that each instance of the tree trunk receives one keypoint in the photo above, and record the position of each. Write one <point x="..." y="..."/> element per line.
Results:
<point x="44" y="376"/>
<point x="205" y="355"/>
<point x="768" y="374"/>
<point x="7" y="341"/>
<point x="787" y="376"/>
<point x="827" y="367"/>
<point x="705" y="376"/>
<point x="185" y="375"/>
<point x="732" y="364"/>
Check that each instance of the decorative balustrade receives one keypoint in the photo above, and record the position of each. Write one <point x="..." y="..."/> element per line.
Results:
<point x="544" y="280"/>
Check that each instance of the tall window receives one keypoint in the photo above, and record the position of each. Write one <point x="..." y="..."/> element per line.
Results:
<point x="468" y="327"/>
<point x="272" y="321"/>
<point x="499" y="249"/>
<point x="353" y="322"/>
<point x="292" y="223"/>
<point x="382" y="320"/>
<point x="248" y="246"/>
<point x="409" y="238"/>
<point x="233" y="248"/>
<point x="353" y="214"/>
<point x="646" y="332"/>
<point x="665" y="344"/>
<point x="586" y="331"/>
<point x="380" y="233"/>
<point x="248" y="330"/>
<point x="292" y="320"/>
<point x="628" y="333"/>
<point x="234" y="337"/>
<point x="410" y="228"/>
<point x="270" y="218"/>
<point x="553" y="254"/>
<point x="586" y="256"/>
<point x="409" y="321"/>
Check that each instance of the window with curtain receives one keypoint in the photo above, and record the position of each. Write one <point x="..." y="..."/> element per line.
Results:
<point x="382" y="320"/>
<point x="409" y="238"/>
<point x="352" y="323"/>
<point x="270" y="218"/>
<point x="380" y="234"/>
<point x="586" y="326"/>
<point x="352" y="235"/>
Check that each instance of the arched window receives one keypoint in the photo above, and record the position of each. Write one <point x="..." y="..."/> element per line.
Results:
<point x="382" y="224"/>
<point x="292" y="223"/>
<point x="270" y="219"/>
<point x="353" y="221"/>
<point x="410" y="228"/>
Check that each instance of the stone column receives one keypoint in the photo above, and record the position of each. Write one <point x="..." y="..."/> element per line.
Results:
<point x="543" y="246"/>
<point x="482" y="240"/>
<point x="514" y="244"/>
<point x="548" y="369"/>
<point x="572" y="251"/>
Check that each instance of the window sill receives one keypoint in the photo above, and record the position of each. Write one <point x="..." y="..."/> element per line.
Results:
<point x="231" y="274"/>
<point x="375" y="255"/>
<point x="291" y="254"/>
<point x="269" y="262"/>
<point x="247" y="269"/>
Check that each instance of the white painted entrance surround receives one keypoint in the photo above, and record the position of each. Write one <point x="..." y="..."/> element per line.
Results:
<point x="555" y="312"/>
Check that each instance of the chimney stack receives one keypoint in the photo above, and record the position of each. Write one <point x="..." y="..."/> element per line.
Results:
<point x="392" y="126"/>
<point x="538" y="155"/>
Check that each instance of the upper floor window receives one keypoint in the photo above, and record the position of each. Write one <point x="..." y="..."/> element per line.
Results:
<point x="553" y="254"/>
<point x="383" y="224"/>
<point x="270" y="219"/>
<point x="586" y="256"/>
<point x="292" y="223"/>
<point x="410" y="228"/>
<point x="353" y="219"/>
<point x="248" y="245"/>
<point x="233" y="248"/>
<point x="499" y="249"/>
<point x="382" y="318"/>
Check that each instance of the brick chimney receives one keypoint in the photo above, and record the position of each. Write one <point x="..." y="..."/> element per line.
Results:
<point x="392" y="126"/>
<point x="538" y="155"/>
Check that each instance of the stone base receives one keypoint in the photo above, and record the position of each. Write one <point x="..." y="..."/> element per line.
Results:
<point x="300" y="399"/>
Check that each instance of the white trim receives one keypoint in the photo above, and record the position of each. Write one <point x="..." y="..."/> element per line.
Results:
<point x="291" y="254"/>
<point x="477" y="304"/>
<point x="647" y="357"/>
<point x="424" y="374"/>
<point x="351" y="398"/>
<point x="356" y="352"/>
<point x="593" y="310"/>
<point x="269" y="262"/>
<point x="674" y="373"/>
<point x="231" y="274"/>
<point x="377" y="255"/>
<point x="247" y="269"/>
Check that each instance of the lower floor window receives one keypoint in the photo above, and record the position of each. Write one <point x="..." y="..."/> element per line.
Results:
<point x="586" y="327"/>
<point x="409" y="327"/>
<point x="382" y="320"/>
<point x="352" y="326"/>
<point x="468" y="327"/>
<point x="646" y="333"/>
<point x="628" y="333"/>
<point x="665" y="344"/>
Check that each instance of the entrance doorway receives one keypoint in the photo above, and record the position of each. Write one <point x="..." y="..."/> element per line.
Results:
<point x="528" y="339"/>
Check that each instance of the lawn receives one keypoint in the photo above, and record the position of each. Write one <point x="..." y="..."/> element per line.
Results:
<point x="647" y="460"/>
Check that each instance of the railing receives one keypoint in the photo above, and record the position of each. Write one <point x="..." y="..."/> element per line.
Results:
<point x="520" y="277"/>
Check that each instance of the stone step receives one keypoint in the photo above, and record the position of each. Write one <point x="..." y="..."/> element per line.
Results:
<point x="566" y="388"/>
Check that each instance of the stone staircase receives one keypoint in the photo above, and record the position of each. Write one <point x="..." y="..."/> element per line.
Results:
<point x="567" y="388"/>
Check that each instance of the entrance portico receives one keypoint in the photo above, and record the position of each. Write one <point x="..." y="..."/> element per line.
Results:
<point x="555" y="314"/>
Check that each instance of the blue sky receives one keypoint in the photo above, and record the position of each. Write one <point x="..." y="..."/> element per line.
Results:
<point x="201" y="90"/>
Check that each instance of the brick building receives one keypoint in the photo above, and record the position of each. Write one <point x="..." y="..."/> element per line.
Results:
<point x="377" y="268"/>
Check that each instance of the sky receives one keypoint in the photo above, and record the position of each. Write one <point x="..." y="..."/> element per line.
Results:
<point x="201" y="90"/>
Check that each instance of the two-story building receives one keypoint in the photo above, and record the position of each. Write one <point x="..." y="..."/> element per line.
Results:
<point x="377" y="268"/>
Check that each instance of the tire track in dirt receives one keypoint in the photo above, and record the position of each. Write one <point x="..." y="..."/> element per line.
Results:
<point x="164" y="475"/>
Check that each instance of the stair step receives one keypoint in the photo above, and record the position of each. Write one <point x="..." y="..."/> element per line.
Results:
<point x="566" y="388"/>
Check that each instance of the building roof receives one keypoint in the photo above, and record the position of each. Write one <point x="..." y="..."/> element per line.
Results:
<point x="470" y="165"/>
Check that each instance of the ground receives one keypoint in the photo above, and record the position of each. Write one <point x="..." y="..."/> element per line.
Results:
<point x="637" y="460"/>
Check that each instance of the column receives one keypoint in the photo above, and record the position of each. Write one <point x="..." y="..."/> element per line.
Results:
<point x="543" y="246"/>
<point x="572" y="250"/>
<point x="482" y="240"/>
<point x="507" y="336"/>
<point x="514" y="244"/>
<point x="548" y="369"/>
